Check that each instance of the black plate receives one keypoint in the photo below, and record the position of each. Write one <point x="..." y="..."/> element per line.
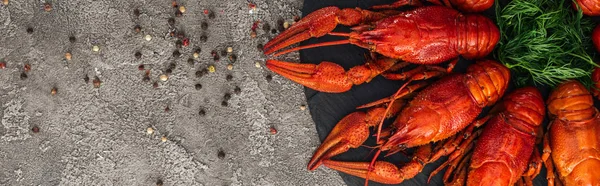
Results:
<point x="327" y="109"/>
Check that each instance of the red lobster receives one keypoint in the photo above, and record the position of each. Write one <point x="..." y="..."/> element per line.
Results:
<point x="572" y="143"/>
<point x="425" y="35"/>
<point x="504" y="146"/>
<point x="588" y="7"/>
<point x="436" y="113"/>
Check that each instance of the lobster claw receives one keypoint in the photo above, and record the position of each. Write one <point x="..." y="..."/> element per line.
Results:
<point x="382" y="171"/>
<point x="351" y="132"/>
<point x="315" y="24"/>
<point x="325" y="77"/>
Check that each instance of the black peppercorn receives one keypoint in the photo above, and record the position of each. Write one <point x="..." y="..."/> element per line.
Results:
<point x="198" y="86"/>
<point x="178" y="43"/>
<point x="266" y="27"/>
<point x="86" y="79"/>
<point x="29" y="30"/>
<point x="138" y="55"/>
<point x="224" y="103"/>
<point x="72" y="39"/>
<point x="169" y="71"/>
<point x="202" y="112"/>
<point x="229" y="77"/>
<point x="136" y="12"/>
<point x="237" y="90"/>
<point x="171" y="21"/>
<point x="211" y="15"/>
<point x="203" y="38"/>
<point x="260" y="47"/>
<point x="176" y="53"/>
<point x="221" y="154"/>
<point x="190" y="61"/>
<point x="227" y="96"/>
<point x="223" y="52"/>
<point x="204" y="25"/>
<point x="23" y="75"/>
<point x="172" y="65"/>
<point x="273" y="31"/>
<point x="269" y="78"/>
<point x="280" y="25"/>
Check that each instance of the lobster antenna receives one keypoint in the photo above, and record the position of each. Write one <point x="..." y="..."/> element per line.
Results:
<point x="371" y="167"/>
<point x="330" y="43"/>
<point x="387" y="110"/>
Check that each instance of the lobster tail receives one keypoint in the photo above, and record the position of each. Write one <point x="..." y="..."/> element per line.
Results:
<point x="473" y="6"/>
<point x="525" y="104"/>
<point x="477" y="36"/>
<point x="487" y="81"/>
<point x="571" y="101"/>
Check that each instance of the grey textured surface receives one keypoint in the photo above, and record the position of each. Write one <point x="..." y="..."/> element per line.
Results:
<point x="97" y="136"/>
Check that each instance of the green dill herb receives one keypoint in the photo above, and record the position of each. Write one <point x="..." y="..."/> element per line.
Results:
<point x="544" y="41"/>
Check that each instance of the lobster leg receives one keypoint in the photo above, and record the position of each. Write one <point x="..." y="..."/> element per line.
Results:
<point x="550" y="176"/>
<point x="452" y="145"/>
<point x="384" y="172"/>
<point x="456" y="156"/>
<point x="330" y="77"/>
<point x="319" y="23"/>
<point x="350" y="132"/>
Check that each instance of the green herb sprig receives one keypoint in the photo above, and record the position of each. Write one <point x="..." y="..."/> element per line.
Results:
<point x="546" y="41"/>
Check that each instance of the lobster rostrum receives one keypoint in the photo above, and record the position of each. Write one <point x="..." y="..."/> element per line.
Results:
<point x="572" y="143"/>
<point x="499" y="154"/>
<point x="425" y="35"/>
<point x="437" y="112"/>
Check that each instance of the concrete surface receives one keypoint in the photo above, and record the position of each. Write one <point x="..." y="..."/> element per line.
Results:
<point x="98" y="136"/>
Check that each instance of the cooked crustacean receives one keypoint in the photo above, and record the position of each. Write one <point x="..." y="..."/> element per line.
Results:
<point x="503" y="152"/>
<point x="426" y="35"/>
<point x="588" y="7"/>
<point x="439" y="111"/>
<point x="572" y="142"/>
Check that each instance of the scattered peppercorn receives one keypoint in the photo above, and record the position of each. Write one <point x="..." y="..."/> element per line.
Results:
<point x="237" y="90"/>
<point x="180" y="35"/>
<point x="197" y="53"/>
<point x="227" y="96"/>
<point x="266" y="27"/>
<point x="204" y="25"/>
<point x="86" y="79"/>
<point x="72" y="39"/>
<point x="211" y="68"/>
<point x="260" y="47"/>
<point x="229" y="77"/>
<point x="201" y="73"/>
<point x="47" y="7"/>
<point x="216" y="57"/>
<point x="178" y="13"/>
<point x="186" y="42"/>
<point x="35" y="129"/>
<point x="53" y="91"/>
<point x="302" y="107"/>
<point x="148" y="37"/>
<point x="68" y="56"/>
<point x="269" y="78"/>
<point x="2" y="65"/>
<point x="273" y="31"/>
<point x="174" y="4"/>
<point x="155" y="84"/>
<point x="27" y="67"/>
<point x="221" y="154"/>
<point x="5" y="2"/>
<point x="141" y="67"/>
<point x="168" y="71"/>
<point x="138" y="55"/>
<point x="159" y="182"/>
<point x="206" y="11"/>
<point x="280" y="26"/>
<point x="296" y="18"/>
<point x="163" y="138"/>
<point x="178" y="43"/>
<point x="137" y="28"/>
<point x="229" y="67"/>
<point x="150" y="130"/>
<point x="171" y="21"/>
<point x="286" y="25"/>
<point x="136" y="12"/>
<point x="232" y="58"/>
<point x="198" y="86"/>
<point x="272" y="130"/>
<point x="202" y="112"/>
<point x="176" y="53"/>
<point x="203" y="38"/>
<point x="96" y="82"/>
<point x="182" y="9"/>
<point x="224" y="103"/>
<point x="211" y="15"/>
<point x="172" y="65"/>
<point x="146" y="78"/>
<point x="253" y="34"/>
<point x="29" y="30"/>
<point x="190" y="61"/>
<point x="95" y="48"/>
<point x="167" y="109"/>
